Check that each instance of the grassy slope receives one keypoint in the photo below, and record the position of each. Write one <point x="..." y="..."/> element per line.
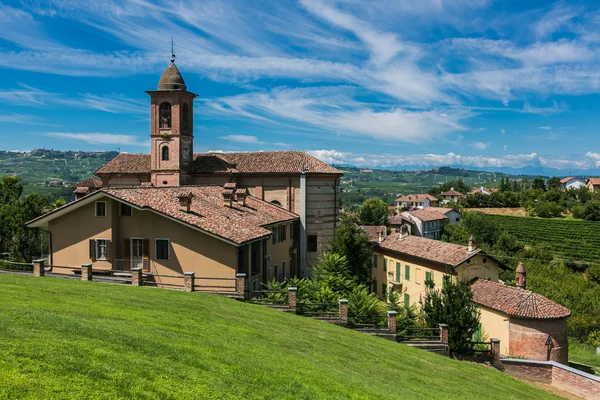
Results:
<point x="78" y="340"/>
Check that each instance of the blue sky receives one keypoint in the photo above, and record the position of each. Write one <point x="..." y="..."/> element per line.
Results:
<point x="414" y="82"/>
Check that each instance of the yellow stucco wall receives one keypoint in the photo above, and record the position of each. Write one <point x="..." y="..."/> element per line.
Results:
<point x="280" y="253"/>
<point x="496" y="325"/>
<point x="414" y="286"/>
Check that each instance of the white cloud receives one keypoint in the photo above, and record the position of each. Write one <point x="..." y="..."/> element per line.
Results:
<point x="586" y="161"/>
<point x="502" y="130"/>
<point x="505" y="147"/>
<point x="242" y="139"/>
<point x="480" y="145"/>
<point x="100" y="138"/>
<point x="546" y="128"/>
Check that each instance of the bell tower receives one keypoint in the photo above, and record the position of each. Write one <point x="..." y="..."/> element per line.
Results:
<point x="171" y="129"/>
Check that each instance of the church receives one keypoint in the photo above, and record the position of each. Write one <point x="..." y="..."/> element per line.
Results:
<point x="268" y="214"/>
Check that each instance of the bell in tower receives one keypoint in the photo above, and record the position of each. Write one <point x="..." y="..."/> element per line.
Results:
<point x="171" y="129"/>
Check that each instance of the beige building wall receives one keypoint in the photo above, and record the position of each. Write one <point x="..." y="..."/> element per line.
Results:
<point x="479" y="266"/>
<point x="496" y="325"/>
<point x="279" y="254"/>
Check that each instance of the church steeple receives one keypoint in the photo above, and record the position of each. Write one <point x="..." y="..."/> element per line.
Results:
<point x="171" y="129"/>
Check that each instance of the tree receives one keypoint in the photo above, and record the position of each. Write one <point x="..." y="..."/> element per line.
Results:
<point x="351" y="241"/>
<point x="452" y="305"/>
<point x="458" y="184"/>
<point x="374" y="212"/>
<point x="538" y="183"/>
<point x="592" y="210"/>
<point x="554" y="183"/>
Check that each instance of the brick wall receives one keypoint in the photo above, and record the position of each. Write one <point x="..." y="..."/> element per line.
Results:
<point x="559" y="375"/>
<point x="527" y="338"/>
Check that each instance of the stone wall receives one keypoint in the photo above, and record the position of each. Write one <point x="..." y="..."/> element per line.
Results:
<point x="559" y="375"/>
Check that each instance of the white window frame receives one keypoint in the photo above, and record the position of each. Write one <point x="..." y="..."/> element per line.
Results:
<point x="96" y="248"/>
<point x="96" y="209"/>
<point x="168" y="249"/>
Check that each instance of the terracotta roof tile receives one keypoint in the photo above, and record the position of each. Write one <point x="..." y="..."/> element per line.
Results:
<point x="430" y="213"/>
<point x="567" y="179"/>
<point x="452" y="193"/>
<point x="127" y="164"/>
<point x="594" y="181"/>
<point x="419" y="198"/>
<point x="261" y="162"/>
<point x="208" y="163"/>
<point x="399" y="219"/>
<point x="81" y="189"/>
<point x="516" y="302"/>
<point x="237" y="223"/>
<point x="429" y="249"/>
<point x="374" y="231"/>
<point x="91" y="182"/>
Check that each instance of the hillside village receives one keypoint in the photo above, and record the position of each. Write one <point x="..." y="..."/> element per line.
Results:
<point x="268" y="228"/>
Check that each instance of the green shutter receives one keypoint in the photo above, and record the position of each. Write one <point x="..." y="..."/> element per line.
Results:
<point x="407" y="272"/>
<point x="445" y="281"/>
<point x="398" y="278"/>
<point x="406" y="300"/>
<point x="428" y="276"/>
<point x="384" y="264"/>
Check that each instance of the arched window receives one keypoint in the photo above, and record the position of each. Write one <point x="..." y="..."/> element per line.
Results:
<point x="165" y="115"/>
<point x="165" y="153"/>
<point x="276" y="203"/>
<point x="185" y="120"/>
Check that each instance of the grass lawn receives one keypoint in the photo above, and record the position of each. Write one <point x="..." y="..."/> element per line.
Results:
<point x="65" y="339"/>
<point x="585" y="354"/>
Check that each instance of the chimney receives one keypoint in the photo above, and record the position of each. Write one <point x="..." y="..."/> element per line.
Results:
<point x="228" y="197"/>
<point x="240" y="196"/>
<point x="379" y="237"/>
<point x="471" y="246"/>
<point x="185" y="202"/>
<point x="521" y="276"/>
<point x="451" y="189"/>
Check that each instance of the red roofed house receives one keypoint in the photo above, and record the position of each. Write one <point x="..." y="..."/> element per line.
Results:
<point x="571" y="182"/>
<point x="593" y="184"/>
<point x="428" y="222"/>
<point x="292" y="180"/>
<point x="86" y="187"/>
<point x="413" y="201"/>
<point x="528" y="324"/>
<point x="452" y="196"/>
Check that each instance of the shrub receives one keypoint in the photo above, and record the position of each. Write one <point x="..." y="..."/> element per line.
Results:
<point x="593" y="273"/>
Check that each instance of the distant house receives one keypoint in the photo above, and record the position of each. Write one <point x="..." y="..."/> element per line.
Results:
<point x="413" y="201"/>
<point x="483" y="190"/>
<point x="428" y="222"/>
<point x="571" y="182"/>
<point x="593" y="184"/>
<point x="375" y="233"/>
<point x="452" y="196"/>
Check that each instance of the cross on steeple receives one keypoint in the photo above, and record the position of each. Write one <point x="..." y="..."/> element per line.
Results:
<point x="172" y="50"/>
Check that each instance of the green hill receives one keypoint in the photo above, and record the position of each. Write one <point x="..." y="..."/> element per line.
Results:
<point x="65" y="339"/>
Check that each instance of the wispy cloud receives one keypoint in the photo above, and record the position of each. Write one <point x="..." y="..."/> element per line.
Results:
<point x="100" y="138"/>
<point x="249" y="139"/>
<point x="546" y="128"/>
<point x="480" y="145"/>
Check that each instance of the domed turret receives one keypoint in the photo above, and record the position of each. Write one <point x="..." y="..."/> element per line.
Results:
<point x="171" y="79"/>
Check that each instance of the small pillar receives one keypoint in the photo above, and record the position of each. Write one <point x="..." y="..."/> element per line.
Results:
<point x="443" y="333"/>
<point x="38" y="267"/>
<point x="392" y="321"/>
<point x="136" y="277"/>
<point x="240" y="285"/>
<point x="188" y="281"/>
<point x="343" y="304"/>
<point x="292" y="298"/>
<point x="86" y="272"/>
<point x="495" y="350"/>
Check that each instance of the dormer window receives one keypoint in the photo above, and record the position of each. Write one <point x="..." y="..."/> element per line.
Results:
<point x="165" y="115"/>
<point x="165" y="153"/>
<point x="185" y="120"/>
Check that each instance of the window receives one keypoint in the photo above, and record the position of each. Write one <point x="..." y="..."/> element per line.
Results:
<point x="100" y="210"/>
<point x="165" y="115"/>
<point x="283" y="232"/>
<point x="384" y="264"/>
<point x="406" y="300"/>
<point x="374" y="261"/>
<point x="101" y="249"/>
<point x="418" y="276"/>
<point x="429" y="282"/>
<point x="375" y="286"/>
<point x="279" y="233"/>
<point x="398" y="277"/>
<point x="185" y="120"/>
<point x="125" y="210"/>
<point x="445" y="281"/>
<point x="283" y="269"/>
<point x="276" y="269"/>
<point x="275" y="202"/>
<point x="407" y="272"/>
<point x="311" y="243"/>
<point x="162" y="249"/>
<point x="269" y="273"/>
<point x="164" y="153"/>
<point x="383" y="289"/>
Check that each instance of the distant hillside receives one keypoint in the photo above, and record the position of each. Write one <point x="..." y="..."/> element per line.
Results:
<point x="52" y="171"/>
<point x="360" y="184"/>
<point x="65" y="339"/>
